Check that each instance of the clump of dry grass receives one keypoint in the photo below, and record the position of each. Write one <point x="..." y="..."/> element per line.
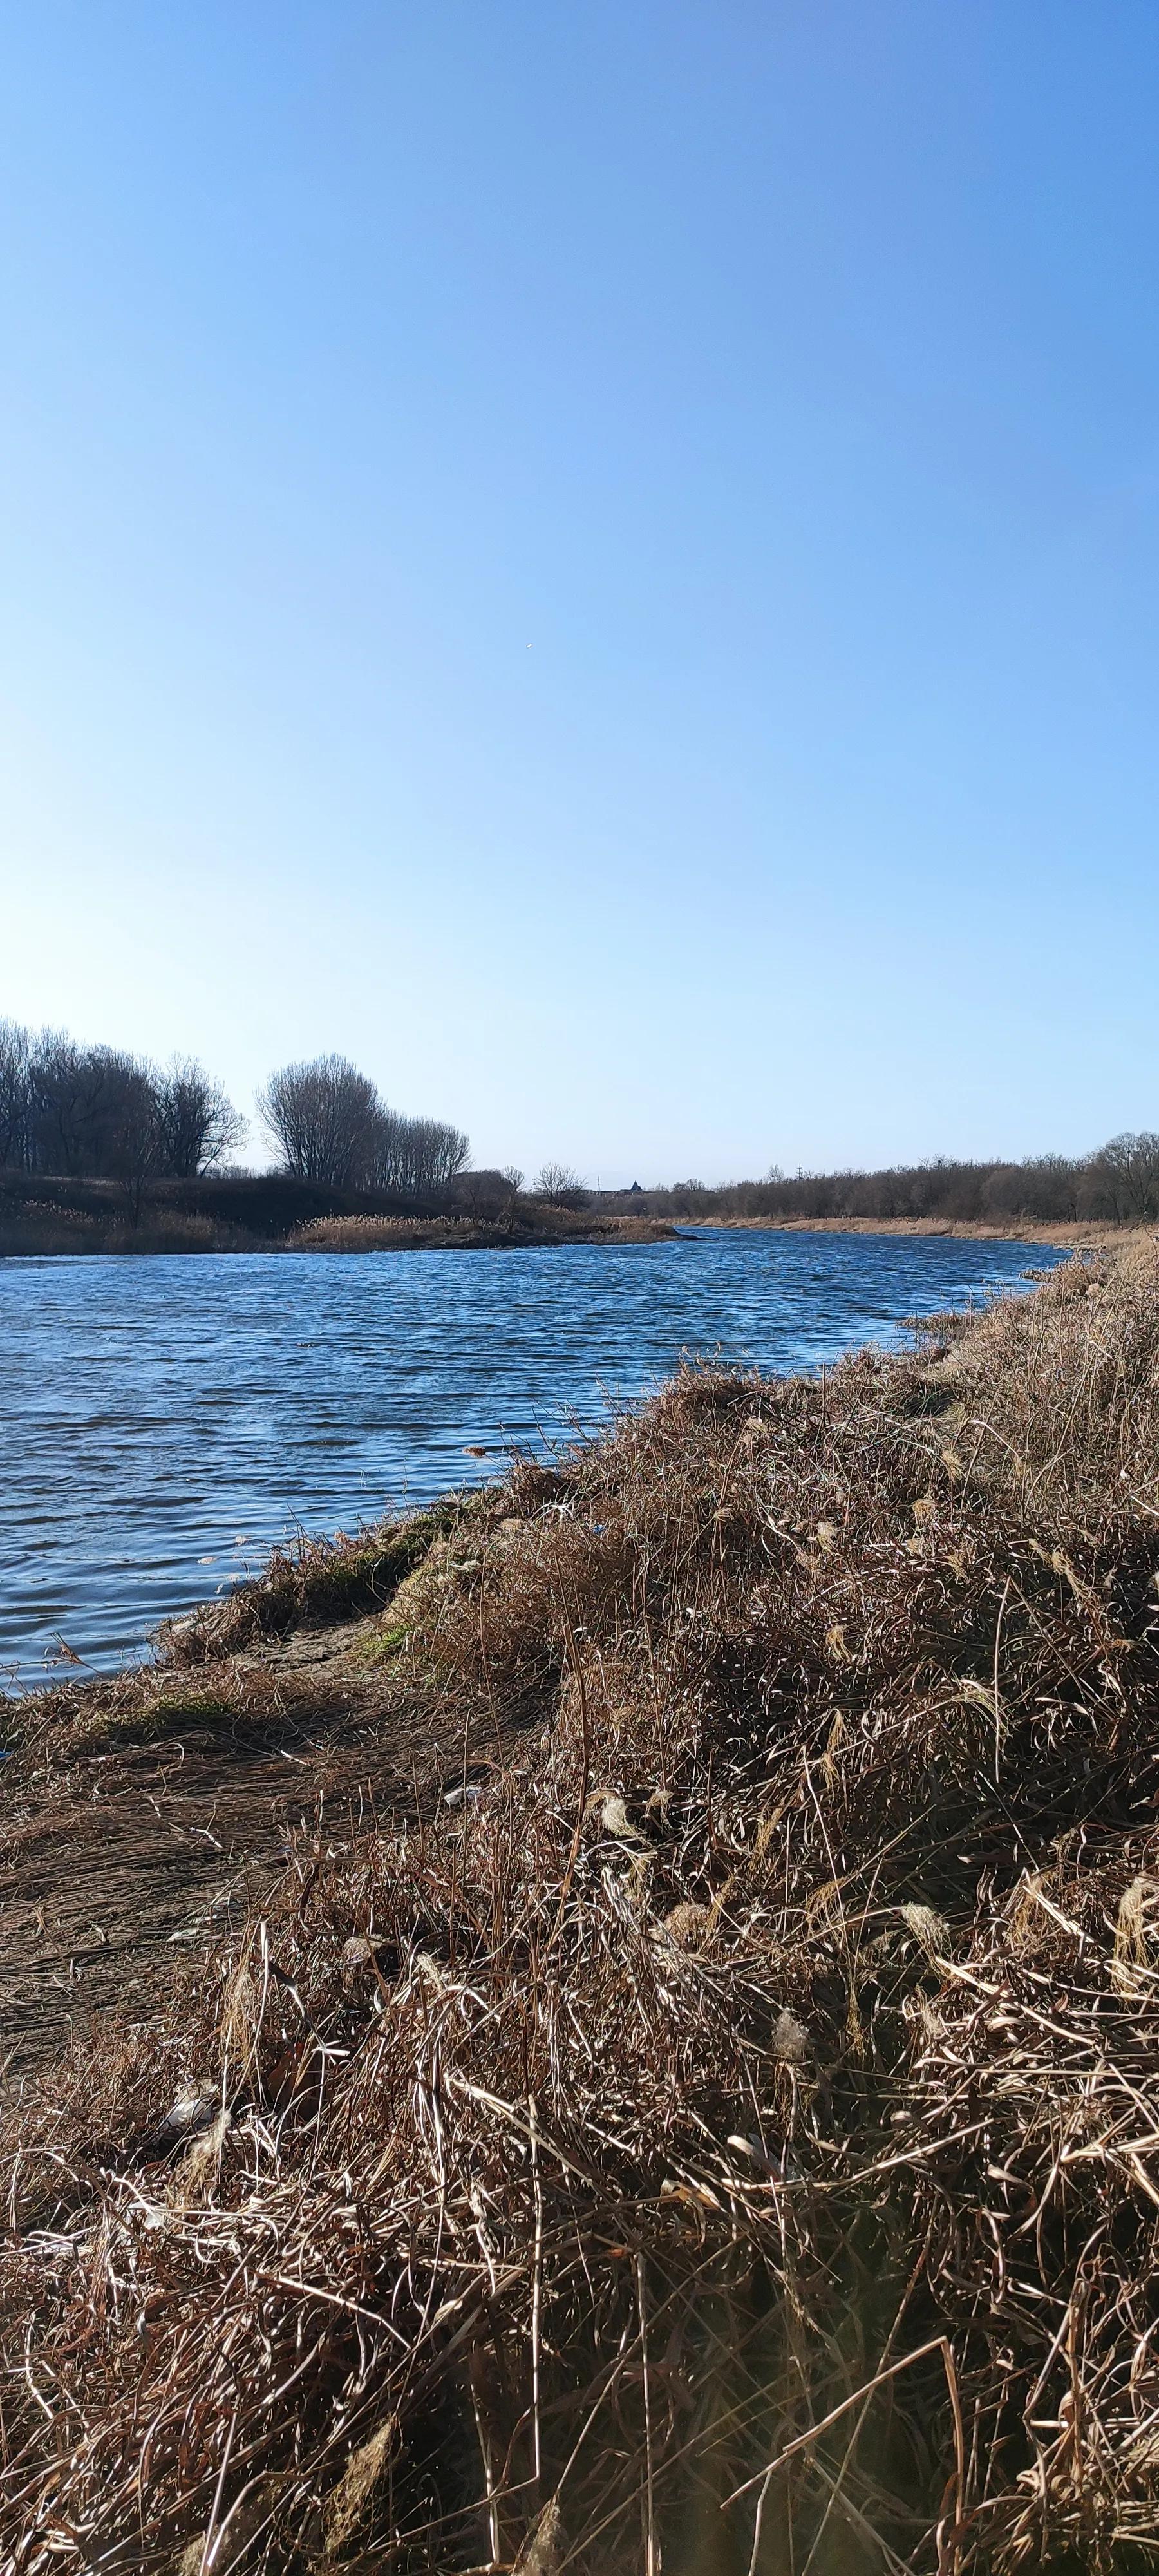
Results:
<point x="317" y="1580"/>
<point x="384" y="1233"/>
<point x="725" y="2136"/>
<point x="1068" y="1387"/>
<point x="526" y="1225"/>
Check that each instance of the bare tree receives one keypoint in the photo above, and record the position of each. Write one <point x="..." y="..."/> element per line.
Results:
<point x="92" y="1107"/>
<point x="1122" y="1178"/>
<point x="84" y="1111"/>
<point x="132" y="1145"/>
<point x="323" y="1117"/>
<point x="514" y="1178"/>
<point x="417" y="1157"/>
<point x="560" y="1186"/>
<point x="1044" y="1186"/>
<point x="99" y="1112"/>
<point x="64" y="1099"/>
<point x="486" y="1194"/>
<point x="198" y="1124"/>
<point x="438" y="1154"/>
<point x="16" y="1137"/>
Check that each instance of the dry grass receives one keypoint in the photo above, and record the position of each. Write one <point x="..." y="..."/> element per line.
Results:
<point x="39" y="1228"/>
<point x="388" y="1234"/>
<point x="1069" y="1233"/>
<point x="321" y="1579"/>
<point x="208" y="1668"/>
<point x="724" y="2137"/>
<point x="527" y="1225"/>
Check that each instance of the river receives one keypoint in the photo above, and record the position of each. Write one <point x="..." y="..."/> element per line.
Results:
<point x="165" y="1421"/>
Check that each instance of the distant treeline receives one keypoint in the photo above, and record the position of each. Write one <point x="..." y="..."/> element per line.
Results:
<point x="101" y="1113"/>
<point x="1119" y="1181"/>
<point x="97" y="1111"/>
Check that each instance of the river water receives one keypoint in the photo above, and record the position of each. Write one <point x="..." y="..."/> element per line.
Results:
<point x="165" y="1421"/>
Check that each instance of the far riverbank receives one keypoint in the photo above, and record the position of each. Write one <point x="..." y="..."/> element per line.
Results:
<point x="42" y="1215"/>
<point x="1099" y="1235"/>
<point x="45" y="1233"/>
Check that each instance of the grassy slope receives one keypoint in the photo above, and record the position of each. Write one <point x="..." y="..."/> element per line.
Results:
<point x="769" y="2030"/>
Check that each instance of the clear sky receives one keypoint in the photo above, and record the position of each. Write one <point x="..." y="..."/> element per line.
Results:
<point x="600" y="559"/>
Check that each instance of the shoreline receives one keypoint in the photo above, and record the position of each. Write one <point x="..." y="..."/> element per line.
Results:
<point x="1099" y="1235"/>
<point x="360" y="1237"/>
<point x="354" y="1236"/>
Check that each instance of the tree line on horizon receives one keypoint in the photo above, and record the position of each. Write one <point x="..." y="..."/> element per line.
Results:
<point x="103" y="1113"/>
<point x="1117" y="1182"/>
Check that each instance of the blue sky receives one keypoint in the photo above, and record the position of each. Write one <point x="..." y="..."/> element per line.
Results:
<point x="603" y="561"/>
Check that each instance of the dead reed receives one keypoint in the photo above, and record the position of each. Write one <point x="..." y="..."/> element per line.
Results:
<point x="36" y="1228"/>
<point x="528" y="1222"/>
<point x="385" y="1233"/>
<point x="725" y="2137"/>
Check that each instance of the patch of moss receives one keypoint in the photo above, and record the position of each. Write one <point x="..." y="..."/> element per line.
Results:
<point x="168" y="1711"/>
<point x="148" y="1720"/>
<point x="384" y="1645"/>
<point x="370" y="1574"/>
<point x="360" y="1576"/>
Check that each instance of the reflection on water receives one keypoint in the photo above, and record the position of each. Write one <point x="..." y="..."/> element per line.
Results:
<point x="164" y="1421"/>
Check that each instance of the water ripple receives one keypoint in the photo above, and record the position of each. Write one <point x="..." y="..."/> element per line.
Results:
<point x="164" y="1422"/>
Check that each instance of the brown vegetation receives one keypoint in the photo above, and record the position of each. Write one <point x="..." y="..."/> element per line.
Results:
<point x="528" y="1223"/>
<point x="274" y="1213"/>
<point x="721" y="2134"/>
<point x="140" y="1807"/>
<point x="1095" y="1234"/>
<point x="32" y="1228"/>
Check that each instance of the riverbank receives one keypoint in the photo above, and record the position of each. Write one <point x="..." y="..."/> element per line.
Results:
<point x="50" y="1232"/>
<point x="1096" y="1234"/>
<point x="699" y="2054"/>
